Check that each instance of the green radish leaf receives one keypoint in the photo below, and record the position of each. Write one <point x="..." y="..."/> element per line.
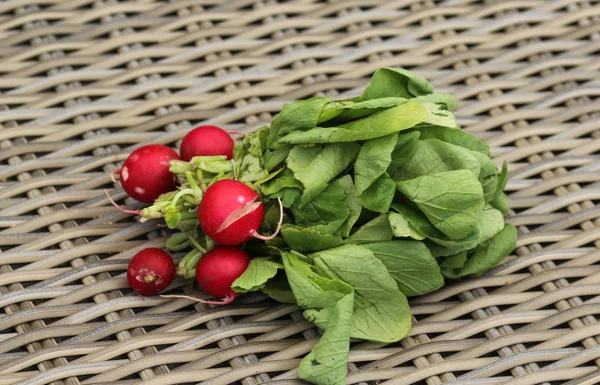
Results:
<point x="453" y="262"/>
<point x="451" y="200"/>
<point x="385" y="122"/>
<point x="445" y="101"/>
<point x="297" y="116"/>
<point x="273" y="158"/>
<point x="381" y="311"/>
<point x="490" y="223"/>
<point x="379" y="196"/>
<point x="311" y="289"/>
<point x="352" y="203"/>
<point x="487" y="255"/>
<point x="488" y="175"/>
<point x="373" y="159"/>
<point x="411" y="264"/>
<point x="376" y="230"/>
<point x="402" y="228"/>
<point x="396" y="82"/>
<point x="454" y="136"/>
<point x="285" y="186"/>
<point x="438" y="115"/>
<point x="405" y="149"/>
<point x="172" y="217"/>
<point x="258" y="272"/>
<point x="279" y="289"/>
<point x="306" y="239"/>
<point x="250" y="170"/>
<point x="316" y="166"/>
<point x="502" y="179"/>
<point x="327" y="212"/>
<point x="421" y="224"/>
<point x="327" y="362"/>
<point x="340" y="112"/>
<point x="501" y="203"/>
<point x="434" y="156"/>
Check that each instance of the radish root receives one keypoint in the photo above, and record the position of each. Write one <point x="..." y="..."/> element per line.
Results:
<point x="225" y="301"/>
<point x="268" y="238"/>
<point x="235" y="132"/>
<point x="121" y="209"/>
<point x="113" y="173"/>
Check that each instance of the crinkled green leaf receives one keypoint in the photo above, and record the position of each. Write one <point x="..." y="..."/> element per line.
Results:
<point x="417" y="220"/>
<point x="306" y="239"/>
<point x="352" y="203"/>
<point x="273" y="158"/>
<point x="489" y="223"/>
<point x="298" y="116"/>
<point x="327" y="212"/>
<point x="379" y="196"/>
<point x="258" y="272"/>
<point x="172" y="217"/>
<point x="311" y="289"/>
<point x="402" y="228"/>
<point x="405" y="149"/>
<point x="340" y="112"/>
<point x="279" y="289"/>
<point x="501" y="203"/>
<point x="438" y="115"/>
<point x="487" y="255"/>
<point x="250" y="170"/>
<point x="446" y="101"/>
<point x="327" y="362"/>
<point x="373" y="159"/>
<point x="396" y="82"/>
<point x="381" y="311"/>
<point x="316" y="166"/>
<point x="451" y="200"/>
<point x="381" y="123"/>
<point x="454" y="136"/>
<point x="255" y="144"/>
<point x="502" y="179"/>
<point x="285" y="186"/>
<point x="434" y="156"/>
<point x="376" y="230"/>
<point x="488" y="175"/>
<point x="456" y="261"/>
<point x="411" y="264"/>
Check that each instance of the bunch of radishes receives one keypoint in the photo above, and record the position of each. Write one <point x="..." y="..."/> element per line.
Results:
<point x="228" y="212"/>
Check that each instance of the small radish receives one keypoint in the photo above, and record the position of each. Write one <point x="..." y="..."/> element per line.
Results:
<point x="206" y="141"/>
<point x="217" y="270"/>
<point x="230" y="213"/>
<point x="145" y="174"/>
<point x="150" y="271"/>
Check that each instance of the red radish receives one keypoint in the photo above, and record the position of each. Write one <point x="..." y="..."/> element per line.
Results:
<point x="230" y="212"/>
<point x="217" y="269"/>
<point x="150" y="271"/>
<point x="206" y="141"/>
<point x="145" y="174"/>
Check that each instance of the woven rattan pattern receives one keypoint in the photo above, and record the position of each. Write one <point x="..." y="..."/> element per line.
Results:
<point x="82" y="82"/>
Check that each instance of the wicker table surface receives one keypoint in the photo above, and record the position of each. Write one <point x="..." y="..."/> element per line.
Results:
<point x="82" y="82"/>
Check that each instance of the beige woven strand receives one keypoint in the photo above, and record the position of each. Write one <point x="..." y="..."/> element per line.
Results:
<point x="83" y="82"/>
